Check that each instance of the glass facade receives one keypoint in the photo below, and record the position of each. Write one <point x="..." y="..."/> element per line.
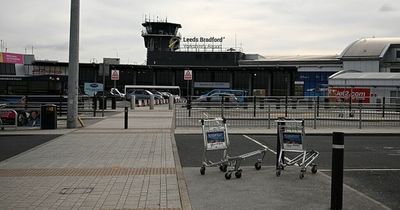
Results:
<point x="315" y="83"/>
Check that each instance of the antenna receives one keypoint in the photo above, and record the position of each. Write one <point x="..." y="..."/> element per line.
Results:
<point x="235" y="42"/>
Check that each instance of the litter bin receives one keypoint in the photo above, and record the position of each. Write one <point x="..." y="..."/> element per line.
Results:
<point x="48" y="116"/>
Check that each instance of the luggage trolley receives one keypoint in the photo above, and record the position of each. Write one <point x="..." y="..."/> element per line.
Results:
<point x="291" y="137"/>
<point x="215" y="137"/>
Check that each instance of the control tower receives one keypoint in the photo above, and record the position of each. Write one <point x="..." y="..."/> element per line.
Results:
<point x="161" y="36"/>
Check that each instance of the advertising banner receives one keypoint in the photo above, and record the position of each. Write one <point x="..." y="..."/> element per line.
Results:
<point x="292" y="141"/>
<point x="91" y="89"/>
<point x="216" y="140"/>
<point x="12" y="58"/>
<point x="357" y="94"/>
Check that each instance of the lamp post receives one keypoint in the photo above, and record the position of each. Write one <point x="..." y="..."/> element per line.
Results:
<point x="104" y="89"/>
<point x="73" y="67"/>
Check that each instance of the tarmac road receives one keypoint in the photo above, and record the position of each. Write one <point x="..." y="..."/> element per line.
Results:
<point x="371" y="162"/>
<point x="11" y="145"/>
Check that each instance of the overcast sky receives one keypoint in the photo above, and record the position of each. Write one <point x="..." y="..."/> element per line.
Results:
<point x="267" y="27"/>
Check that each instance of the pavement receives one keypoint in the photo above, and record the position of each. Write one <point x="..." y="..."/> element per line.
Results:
<point x="103" y="166"/>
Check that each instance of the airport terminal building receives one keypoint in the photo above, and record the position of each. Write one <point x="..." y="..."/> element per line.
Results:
<point x="169" y="55"/>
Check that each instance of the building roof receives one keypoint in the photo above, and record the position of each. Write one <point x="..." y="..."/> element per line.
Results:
<point x="290" y="60"/>
<point x="374" y="48"/>
<point x="365" y="75"/>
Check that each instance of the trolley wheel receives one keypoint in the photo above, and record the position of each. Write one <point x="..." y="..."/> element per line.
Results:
<point x="223" y="168"/>
<point x="257" y="165"/>
<point x="238" y="174"/>
<point x="301" y="175"/>
<point x="314" y="169"/>
<point x="228" y="175"/>
<point x="203" y="170"/>
<point x="278" y="173"/>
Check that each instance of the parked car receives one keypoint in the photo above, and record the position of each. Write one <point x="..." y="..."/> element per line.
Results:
<point x="158" y="94"/>
<point x="176" y="97"/>
<point x="117" y="93"/>
<point x="141" y="95"/>
<point x="108" y="94"/>
<point x="239" y="94"/>
<point x="216" y="98"/>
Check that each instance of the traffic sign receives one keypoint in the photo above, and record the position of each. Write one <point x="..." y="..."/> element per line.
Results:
<point x="114" y="74"/>
<point x="187" y="75"/>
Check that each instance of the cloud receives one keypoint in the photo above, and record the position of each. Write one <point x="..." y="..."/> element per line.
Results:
<point x="387" y="8"/>
<point x="262" y="26"/>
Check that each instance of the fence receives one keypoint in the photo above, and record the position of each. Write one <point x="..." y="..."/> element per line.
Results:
<point x="317" y="112"/>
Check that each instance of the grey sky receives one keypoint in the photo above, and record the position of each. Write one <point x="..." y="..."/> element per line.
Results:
<point x="268" y="27"/>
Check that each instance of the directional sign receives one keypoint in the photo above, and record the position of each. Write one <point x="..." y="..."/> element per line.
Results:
<point x="187" y="75"/>
<point x="114" y="74"/>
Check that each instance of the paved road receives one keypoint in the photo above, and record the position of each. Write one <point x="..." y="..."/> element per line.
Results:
<point x="371" y="162"/>
<point x="11" y="145"/>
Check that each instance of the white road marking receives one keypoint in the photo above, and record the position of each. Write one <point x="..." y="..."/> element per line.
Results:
<point x="328" y="177"/>
<point x="364" y="169"/>
<point x="255" y="141"/>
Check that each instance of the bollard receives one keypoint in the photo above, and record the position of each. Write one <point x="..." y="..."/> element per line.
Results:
<point x="189" y="106"/>
<point x="171" y="102"/>
<point x="133" y="101"/>
<point x="113" y="102"/>
<point x="151" y="102"/>
<point x="126" y="117"/>
<point x="94" y="106"/>
<point x="337" y="170"/>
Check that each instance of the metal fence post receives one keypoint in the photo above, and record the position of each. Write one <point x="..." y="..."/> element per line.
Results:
<point x="222" y="106"/>
<point x="269" y="116"/>
<point x="383" y="107"/>
<point x="254" y="106"/>
<point x="315" y="114"/>
<point x="317" y="106"/>
<point x="286" y="105"/>
<point x="94" y="101"/>
<point x="189" y="106"/>
<point x="337" y="170"/>
<point x="360" y="119"/>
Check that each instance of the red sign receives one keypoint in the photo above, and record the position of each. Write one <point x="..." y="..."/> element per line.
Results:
<point x="114" y="74"/>
<point x="187" y="75"/>
<point x="357" y="94"/>
<point x="12" y="58"/>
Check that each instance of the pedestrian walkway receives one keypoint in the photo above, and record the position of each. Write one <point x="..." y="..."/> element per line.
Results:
<point x="102" y="166"/>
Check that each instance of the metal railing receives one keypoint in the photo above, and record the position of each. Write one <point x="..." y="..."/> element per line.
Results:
<point x="317" y="112"/>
